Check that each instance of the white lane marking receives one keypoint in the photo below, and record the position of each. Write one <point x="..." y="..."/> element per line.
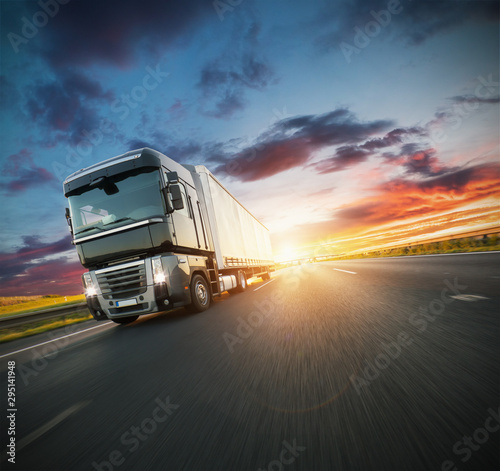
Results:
<point x="262" y="286"/>
<point x="468" y="297"/>
<point x="51" y="424"/>
<point x="54" y="340"/>
<point x="345" y="271"/>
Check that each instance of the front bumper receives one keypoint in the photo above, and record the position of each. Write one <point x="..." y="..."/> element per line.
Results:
<point x="155" y="299"/>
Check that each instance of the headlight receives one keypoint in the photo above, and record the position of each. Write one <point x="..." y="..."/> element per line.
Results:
<point x="158" y="273"/>
<point x="88" y="284"/>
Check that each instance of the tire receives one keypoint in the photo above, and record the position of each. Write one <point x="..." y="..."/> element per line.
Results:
<point x="241" y="279"/>
<point x="200" y="294"/>
<point x="242" y="282"/>
<point x="266" y="276"/>
<point x="125" y="320"/>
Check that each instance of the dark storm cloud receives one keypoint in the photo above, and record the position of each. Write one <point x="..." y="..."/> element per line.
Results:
<point x="20" y="173"/>
<point x="292" y="142"/>
<point x="113" y="32"/>
<point x="65" y="107"/>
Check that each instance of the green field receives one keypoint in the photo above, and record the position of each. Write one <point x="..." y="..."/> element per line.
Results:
<point x="10" y="305"/>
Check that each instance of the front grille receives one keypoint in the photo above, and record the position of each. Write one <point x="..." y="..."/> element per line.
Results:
<point x="123" y="282"/>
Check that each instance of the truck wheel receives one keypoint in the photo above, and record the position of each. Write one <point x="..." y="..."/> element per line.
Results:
<point x="125" y="320"/>
<point x="242" y="282"/>
<point x="200" y="295"/>
<point x="241" y="279"/>
<point x="266" y="276"/>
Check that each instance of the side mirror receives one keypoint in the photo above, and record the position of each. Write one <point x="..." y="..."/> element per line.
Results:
<point x="68" y="220"/>
<point x="173" y="198"/>
<point x="176" y="196"/>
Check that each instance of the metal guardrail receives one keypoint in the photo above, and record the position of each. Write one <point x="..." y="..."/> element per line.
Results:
<point x="35" y="316"/>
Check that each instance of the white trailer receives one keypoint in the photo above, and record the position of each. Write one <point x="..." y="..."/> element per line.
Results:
<point x="239" y="238"/>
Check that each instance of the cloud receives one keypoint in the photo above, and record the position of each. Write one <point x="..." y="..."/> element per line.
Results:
<point x="223" y="82"/>
<point x="286" y="144"/>
<point x="395" y="137"/>
<point x="423" y="20"/>
<point x="336" y="127"/>
<point x="345" y="157"/>
<point x="9" y="95"/>
<point x="424" y="163"/>
<point x="240" y="67"/>
<point x="22" y="173"/>
<point x="65" y="107"/>
<point x="350" y="155"/>
<point x="227" y="103"/>
<point x="182" y="151"/>
<point x="266" y="160"/>
<point x="414" y="22"/>
<point x="248" y="72"/>
<point x="28" y="271"/>
<point x="291" y="142"/>
<point x="474" y="99"/>
<point x="35" y="269"/>
<point x="61" y="276"/>
<point x="402" y="199"/>
<point x="406" y="207"/>
<point x="16" y="263"/>
<point x="116" y="32"/>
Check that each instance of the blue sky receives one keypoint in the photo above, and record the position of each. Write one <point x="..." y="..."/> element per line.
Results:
<point x="350" y="124"/>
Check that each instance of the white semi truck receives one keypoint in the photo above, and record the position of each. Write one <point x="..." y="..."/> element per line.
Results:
<point x="155" y="235"/>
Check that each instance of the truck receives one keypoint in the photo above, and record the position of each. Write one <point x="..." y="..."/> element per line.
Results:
<point x="156" y="235"/>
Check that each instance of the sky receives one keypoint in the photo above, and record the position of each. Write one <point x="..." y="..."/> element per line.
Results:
<point x="341" y="125"/>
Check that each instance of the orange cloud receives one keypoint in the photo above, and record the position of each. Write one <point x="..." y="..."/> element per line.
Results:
<point x="403" y="208"/>
<point x="403" y="199"/>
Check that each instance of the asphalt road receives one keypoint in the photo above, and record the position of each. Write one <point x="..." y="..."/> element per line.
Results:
<point x="382" y="364"/>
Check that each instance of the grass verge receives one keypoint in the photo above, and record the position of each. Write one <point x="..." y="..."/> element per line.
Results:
<point x="33" y="328"/>
<point x="21" y="304"/>
<point x="419" y="250"/>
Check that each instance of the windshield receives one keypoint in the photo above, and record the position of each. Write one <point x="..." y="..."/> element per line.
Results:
<point x="132" y="198"/>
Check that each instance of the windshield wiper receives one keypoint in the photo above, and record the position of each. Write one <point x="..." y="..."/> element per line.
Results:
<point x="89" y="229"/>
<point x="126" y="218"/>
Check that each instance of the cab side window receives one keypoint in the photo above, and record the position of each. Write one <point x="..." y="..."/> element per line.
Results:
<point x="184" y="211"/>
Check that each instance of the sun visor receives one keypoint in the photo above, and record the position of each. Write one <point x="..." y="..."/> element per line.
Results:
<point x="122" y="164"/>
